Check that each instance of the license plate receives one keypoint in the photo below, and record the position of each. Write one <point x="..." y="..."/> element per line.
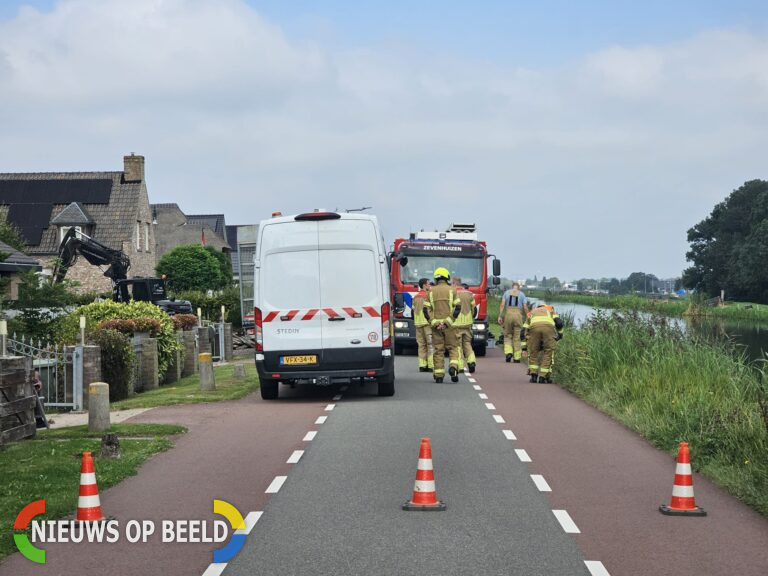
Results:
<point x="298" y="360"/>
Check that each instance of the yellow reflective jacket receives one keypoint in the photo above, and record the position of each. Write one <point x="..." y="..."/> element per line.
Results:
<point x="467" y="313"/>
<point x="419" y="301"/>
<point x="441" y="303"/>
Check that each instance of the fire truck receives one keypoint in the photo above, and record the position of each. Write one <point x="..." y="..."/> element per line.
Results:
<point x="457" y="249"/>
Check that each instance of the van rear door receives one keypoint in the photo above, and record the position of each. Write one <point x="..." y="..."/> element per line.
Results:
<point x="290" y="295"/>
<point x="350" y="294"/>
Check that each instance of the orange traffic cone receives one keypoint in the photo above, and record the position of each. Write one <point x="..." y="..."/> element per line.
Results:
<point x="424" y="493"/>
<point x="683" y="503"/>
<point x="88" y="505"/>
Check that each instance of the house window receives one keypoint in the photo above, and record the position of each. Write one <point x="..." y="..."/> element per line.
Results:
<point x="64" y="229"/>
<point x="146" y="236"/>
<point x="138" y="236"/>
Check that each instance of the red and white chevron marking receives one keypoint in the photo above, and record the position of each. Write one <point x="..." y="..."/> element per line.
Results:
<point x="309" y="314"/>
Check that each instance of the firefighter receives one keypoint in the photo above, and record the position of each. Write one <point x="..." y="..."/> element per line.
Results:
<point x="463" y="324"/>
<point x="423" y="329"/>
<point x="543" y="328"/>
<point x="441" y="309"/>
<point x="514" y="307"/>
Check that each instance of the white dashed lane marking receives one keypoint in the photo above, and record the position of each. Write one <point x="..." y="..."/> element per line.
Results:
<point x="250" y="522"/>
<point x="509" y="435"/>
<point x="330" y="407"/>
<point x="596" y="568"/>
<point x="337" y="398"/>
<point x="499" y="418"/>
<point x="476" y="387"/>
<point x="472" y="380"/>
<point x="490" y="406"/>
<point x="541" y="483"/>
<point x="523" y="455"/>
<point x="309" y="436"/>
<point x="483" y="396"/>
<point x="215" y="569"/>
<point x="321" y="419"/>
<point x="566" y="521"/>
<point x="276" y="484"/>
<point x="295" y="457"/>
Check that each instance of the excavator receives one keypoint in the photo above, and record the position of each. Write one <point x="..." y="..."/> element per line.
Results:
<point x="124" y="289"/>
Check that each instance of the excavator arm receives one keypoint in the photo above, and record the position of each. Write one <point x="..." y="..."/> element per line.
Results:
<point x="76" y="244"/>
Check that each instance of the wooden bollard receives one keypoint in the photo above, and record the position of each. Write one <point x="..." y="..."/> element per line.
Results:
<point x="98" y="407"/>
<point x="239" y="371"/>
<point x="207" y="380"/>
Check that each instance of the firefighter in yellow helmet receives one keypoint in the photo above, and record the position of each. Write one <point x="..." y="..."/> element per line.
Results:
<point x="441" y="309"/>
<point x="423" y="329"/>
<point x="463" y="324"/>
<point x="513" y="309"/>
<point x="543" y="328"/>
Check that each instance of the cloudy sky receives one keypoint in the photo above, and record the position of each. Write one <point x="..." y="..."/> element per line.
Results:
<point x="583" y="138"/>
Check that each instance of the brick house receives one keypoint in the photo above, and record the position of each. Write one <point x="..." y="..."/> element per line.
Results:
<point x="111" y="207"/>
<point x="174" y="228"/>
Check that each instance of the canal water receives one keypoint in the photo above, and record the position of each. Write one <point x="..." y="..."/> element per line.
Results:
<point x="753" y="337"/>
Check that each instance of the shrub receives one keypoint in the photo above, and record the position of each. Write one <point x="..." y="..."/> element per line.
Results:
<point x="192" y="267"/>
<point x="184" y="321"/>
<point x="147" y="324"/>
<point x="211" y="305"/>
<point x="118" y="324"/>
<point x="117" y="361"/>
<point x="97" y="312"/>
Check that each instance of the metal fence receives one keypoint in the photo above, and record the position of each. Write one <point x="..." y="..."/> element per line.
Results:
<point x="58" y="368"/>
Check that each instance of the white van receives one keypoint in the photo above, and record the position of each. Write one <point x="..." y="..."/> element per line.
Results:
<point x="321" y="302"/>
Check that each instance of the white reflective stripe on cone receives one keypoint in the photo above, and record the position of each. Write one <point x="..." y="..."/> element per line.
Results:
<point x="88" y="502"/>
<point x="87" y="478"/>
<point x="683" y="469"/>
<point x="425" y="464"/>
<point x="682" y="491"/>
<point x="424" y="486"/>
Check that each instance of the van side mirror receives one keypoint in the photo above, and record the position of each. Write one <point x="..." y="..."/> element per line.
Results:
<point x="496" y="267"/>
<point x="399" y="302"/>
<point x="402" y="259"/>
<point x="496" y="280"/>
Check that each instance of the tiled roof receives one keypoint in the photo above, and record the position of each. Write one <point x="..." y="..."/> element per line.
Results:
<point x="73" y="215"/>
<point x="214" y="221"/>
<point x="114" y="221"/>
<point x="16" y="260"/>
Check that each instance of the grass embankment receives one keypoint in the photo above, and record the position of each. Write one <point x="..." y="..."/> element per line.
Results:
<point x="187" y="390"/>
<point x="48" y="468"/>
<point x="671" y="387"/>
<point x="670" y="307"/>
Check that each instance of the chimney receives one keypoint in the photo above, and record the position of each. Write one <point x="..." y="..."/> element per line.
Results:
<point x="133" y="168"/>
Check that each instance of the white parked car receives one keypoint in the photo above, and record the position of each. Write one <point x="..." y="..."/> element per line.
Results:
<point x="321" y="298"/>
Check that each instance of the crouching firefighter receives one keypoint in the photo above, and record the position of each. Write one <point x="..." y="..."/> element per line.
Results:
<point x="441" y="309"/>
<point x="543" y="328"/>
<point x="423" y="329"/>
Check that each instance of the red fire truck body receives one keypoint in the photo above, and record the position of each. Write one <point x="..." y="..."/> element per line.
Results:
<point x="463" y="254"/>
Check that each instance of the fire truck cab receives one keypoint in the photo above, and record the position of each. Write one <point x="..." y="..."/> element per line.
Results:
<point x="460" y="251"/>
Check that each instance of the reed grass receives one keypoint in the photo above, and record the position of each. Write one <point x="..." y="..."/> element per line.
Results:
<point x="671" y="387"/>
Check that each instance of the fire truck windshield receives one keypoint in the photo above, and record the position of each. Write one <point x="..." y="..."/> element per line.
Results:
<point x="469" y="269"/>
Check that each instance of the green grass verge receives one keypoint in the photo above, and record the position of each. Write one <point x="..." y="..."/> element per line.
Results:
<point x="187" y="390"/>
<point x="671" y="387"/>
<point x="48" y="467"/>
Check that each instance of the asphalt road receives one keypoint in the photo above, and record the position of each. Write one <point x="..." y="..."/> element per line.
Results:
<point x="339" y="512"/>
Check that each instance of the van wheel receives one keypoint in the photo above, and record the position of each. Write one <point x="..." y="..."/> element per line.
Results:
<point x="269" y="389"/>
<point x="480" y="351"/>
<point x="387" y="385"/>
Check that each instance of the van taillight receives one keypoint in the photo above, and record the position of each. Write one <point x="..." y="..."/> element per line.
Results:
<point x="258" y="331"/>
<point x="386" y="335"/>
